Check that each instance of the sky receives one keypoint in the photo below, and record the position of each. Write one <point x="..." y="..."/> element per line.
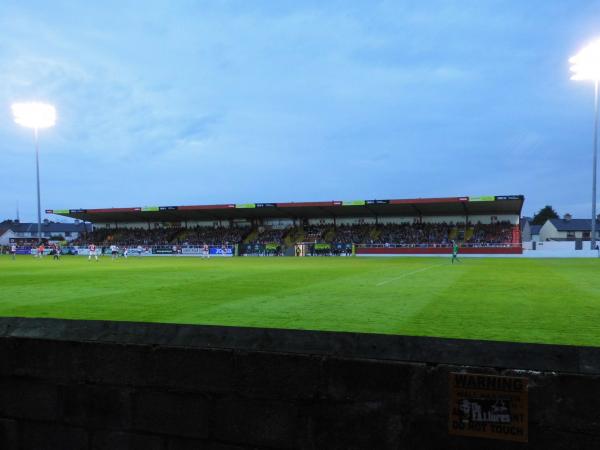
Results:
<point x="205" y="102"/>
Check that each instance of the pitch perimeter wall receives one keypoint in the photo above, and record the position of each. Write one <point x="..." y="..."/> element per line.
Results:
<point x="117" y="385"/>
<point x="432" y="251"/>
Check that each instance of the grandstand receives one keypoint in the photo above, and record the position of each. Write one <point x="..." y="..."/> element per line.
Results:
<point x="481" y="225"/>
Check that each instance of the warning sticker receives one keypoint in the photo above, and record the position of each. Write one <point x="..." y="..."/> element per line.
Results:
<point x="488" y="406"/>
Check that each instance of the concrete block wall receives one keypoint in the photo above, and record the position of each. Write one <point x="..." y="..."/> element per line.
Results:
<point x="102" y="385"/>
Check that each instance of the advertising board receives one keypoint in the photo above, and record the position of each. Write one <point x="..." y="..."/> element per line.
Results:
<point x="488" y="406"/>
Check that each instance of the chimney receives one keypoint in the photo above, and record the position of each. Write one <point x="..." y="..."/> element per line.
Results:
<point x="567" y="217"/>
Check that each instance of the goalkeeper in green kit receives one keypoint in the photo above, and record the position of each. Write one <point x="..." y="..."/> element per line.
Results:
<point x="454" y="252"/>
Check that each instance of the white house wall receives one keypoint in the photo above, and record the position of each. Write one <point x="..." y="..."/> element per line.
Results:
<point x="5" y="238"/>
<point x="548" y="231"/>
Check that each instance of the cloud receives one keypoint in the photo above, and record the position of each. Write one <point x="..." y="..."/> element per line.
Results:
<point x="190" y="101"/>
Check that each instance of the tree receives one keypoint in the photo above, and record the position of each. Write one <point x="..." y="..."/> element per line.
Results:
<point x="547" y="212"/>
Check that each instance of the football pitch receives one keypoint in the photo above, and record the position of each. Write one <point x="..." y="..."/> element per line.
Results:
<point x="526" y="300"/>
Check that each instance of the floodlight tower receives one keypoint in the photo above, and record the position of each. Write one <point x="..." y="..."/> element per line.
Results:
<point x="585" y="65"/>
<point x="37" y="116"/>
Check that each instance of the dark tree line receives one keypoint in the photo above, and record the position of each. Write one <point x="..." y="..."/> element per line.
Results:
<point x="547" y="212"/>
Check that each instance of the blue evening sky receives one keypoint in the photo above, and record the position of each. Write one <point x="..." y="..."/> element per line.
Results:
<point x="199" y="102"/>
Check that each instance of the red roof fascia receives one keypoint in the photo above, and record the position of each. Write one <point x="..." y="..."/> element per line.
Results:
<point x="303" y="204"/>
<point x="201" y="207"/>
<point x="112" y="210"/>
<point x="416" y="201"/>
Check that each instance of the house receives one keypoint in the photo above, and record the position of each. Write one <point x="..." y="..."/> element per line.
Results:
<point x="567" y="229"/>
<point x="529" y="231"/>
<point x="50" y="230"/>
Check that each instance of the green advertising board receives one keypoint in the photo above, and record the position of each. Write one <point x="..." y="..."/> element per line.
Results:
<point x="322" y="246"/>
<point x="353" y="202"/>
<point x="482" y="198"/>
<point x="246" y="205"/>
<point x="61" y="211"/>
<point x="149" y="208"/>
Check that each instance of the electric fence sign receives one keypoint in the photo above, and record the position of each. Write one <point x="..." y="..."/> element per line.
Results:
<point x="488" y="406"/>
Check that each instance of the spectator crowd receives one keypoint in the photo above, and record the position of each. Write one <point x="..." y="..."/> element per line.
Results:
<point x="382" y="234"/>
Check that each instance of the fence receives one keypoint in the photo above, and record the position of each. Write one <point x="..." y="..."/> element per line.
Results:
<point x="148" y="250"/>
<point x="272" y="249"/>
<point x="445" y="245"/>
<point x="439" y="249"/>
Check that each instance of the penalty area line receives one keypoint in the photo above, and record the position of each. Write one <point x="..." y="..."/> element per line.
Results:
<point x="404" y="275"/>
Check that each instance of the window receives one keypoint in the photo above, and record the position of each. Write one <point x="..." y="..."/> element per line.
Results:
<point x="586" y="234"/>
<point x="570" y="235"/>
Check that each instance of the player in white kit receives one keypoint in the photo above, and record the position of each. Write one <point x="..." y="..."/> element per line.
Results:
<point x="92" y="252"/>
<point x="205" y="252"/>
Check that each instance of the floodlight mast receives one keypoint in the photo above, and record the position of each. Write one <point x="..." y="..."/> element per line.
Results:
<point x="593" y="243"/>
<point x="35" y="115"/>
<point x="37" y="178"/>
<point x="586" y="66"/>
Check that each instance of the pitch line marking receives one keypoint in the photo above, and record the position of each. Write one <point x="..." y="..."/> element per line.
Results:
<point x="407" y="274"/>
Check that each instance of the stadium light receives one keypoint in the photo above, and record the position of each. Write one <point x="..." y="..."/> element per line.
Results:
<point x="34" y="115"/>
<point x="586" y="66"/>
<point x="37" y="116"/>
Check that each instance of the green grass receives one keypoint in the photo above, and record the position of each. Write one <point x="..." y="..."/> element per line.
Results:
<point x="526" y="300"/>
